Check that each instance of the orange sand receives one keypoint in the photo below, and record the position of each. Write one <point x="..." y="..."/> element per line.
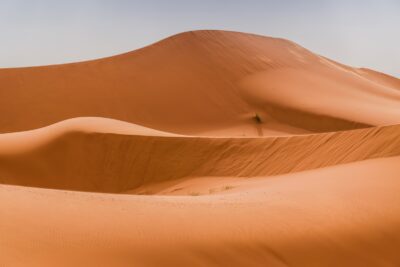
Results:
<point x="208" y="148"/>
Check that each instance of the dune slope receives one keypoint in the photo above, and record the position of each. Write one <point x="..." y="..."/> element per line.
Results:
<point x="345" y="215"/>
<point x="215" y="83"/>
<point x="107" y="161"/>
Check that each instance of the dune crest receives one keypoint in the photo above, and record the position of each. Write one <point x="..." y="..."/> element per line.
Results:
<point x="86" y="155"/>
<point x="201" y="74"/>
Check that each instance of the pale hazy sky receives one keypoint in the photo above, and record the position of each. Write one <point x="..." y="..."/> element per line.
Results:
<point x="38" y="32"/>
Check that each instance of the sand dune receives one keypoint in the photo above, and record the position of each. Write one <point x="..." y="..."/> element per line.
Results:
<point x="208" y="148"/>
<point x="112" y="159"/>
<point x="346" y="215"/>
<point x="202" y="75"/>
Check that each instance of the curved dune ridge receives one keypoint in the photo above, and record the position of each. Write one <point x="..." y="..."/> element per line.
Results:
<point x="103" y="155"/>
<point x="208" y="148"/>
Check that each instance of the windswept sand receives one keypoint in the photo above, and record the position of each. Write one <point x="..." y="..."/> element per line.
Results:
<point x="208" y="148"/>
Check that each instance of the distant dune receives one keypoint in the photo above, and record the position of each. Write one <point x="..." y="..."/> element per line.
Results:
<point x="208" y="148"/>
<point x="203" y="82"/>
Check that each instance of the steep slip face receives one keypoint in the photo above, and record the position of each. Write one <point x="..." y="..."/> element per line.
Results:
<point x="114" y="162"/>
<point x="203" y="83"/>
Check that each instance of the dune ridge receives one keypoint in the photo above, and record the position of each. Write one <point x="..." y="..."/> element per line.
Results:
<point x="107" y="161"/>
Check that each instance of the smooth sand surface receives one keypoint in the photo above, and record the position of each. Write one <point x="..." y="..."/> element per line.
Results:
<point x="208" y="148"/>
<point x="346" y="215"/>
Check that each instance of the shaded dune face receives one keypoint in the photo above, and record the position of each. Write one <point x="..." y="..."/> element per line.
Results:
<point x="203" y="83"/>
<point x="251" y="151"/>
<point x="117" y="157"/>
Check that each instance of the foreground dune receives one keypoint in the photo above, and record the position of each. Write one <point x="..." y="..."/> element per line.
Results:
<point x="346" y="215"/>
<point x="208" y="148"/>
